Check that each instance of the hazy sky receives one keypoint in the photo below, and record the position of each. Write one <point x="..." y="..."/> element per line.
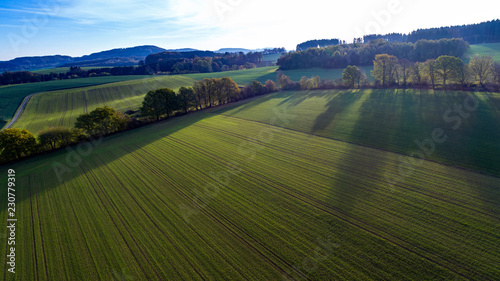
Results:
<point x="79" y="27"/>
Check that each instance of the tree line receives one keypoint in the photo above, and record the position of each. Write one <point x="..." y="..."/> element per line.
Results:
<point x="485" y="32"/>
<point x="162" y="63"/>
<point x="340" y="56"/>
<point x="445" y="71"/>
<point x="318" y="43"/>
<point x="157" y="105"/>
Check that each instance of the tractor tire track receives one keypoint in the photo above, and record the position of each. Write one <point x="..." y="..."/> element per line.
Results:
<point x="147" y="215"/>
<point x="41" y="232"/>
<point x="141" y="159"/>
<point x="239" y="236"/>
<point x="432" y="194"/>
<point x="33" y="229"/>
<point x="84" y="172"/>
<point x="82" y="231"/>
<point x="351" y="219"/>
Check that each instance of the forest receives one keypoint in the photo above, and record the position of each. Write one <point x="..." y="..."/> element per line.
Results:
<point x="340" y="56"/>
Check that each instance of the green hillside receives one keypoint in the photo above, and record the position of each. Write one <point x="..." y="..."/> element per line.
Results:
<point x="211" y="196"/>
<point x="61" y="108"/>
<point x="64" y="69"/>
<point x="489" y="49"/>
<point x="393" y="120"/>
<point x="11" y="96"/>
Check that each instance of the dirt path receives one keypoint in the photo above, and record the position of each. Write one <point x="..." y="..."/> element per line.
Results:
<point x="19" y="110"/>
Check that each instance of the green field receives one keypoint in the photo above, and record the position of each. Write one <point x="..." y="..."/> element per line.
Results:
<point x="489" y="49"/>
<point x="242" y="77"/>
<point x="271" y="57"/>
<point x="328" y="74"/>
<point x="216" y="195"/>
<point x="392" y="120"/>
<point x="60" y="108"/>
<point x="64" y="69"/>
<point x="11" y="96"/>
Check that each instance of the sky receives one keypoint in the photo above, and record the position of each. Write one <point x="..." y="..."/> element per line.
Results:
<point x="82" y="27"/>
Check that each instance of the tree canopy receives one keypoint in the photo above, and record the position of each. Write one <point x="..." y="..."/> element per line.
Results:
<point x="16" y="143"/>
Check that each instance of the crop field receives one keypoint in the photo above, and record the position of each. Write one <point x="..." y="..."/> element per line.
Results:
<point x="394" y="120"/>
<point x="271" y="57"/>
<point x="68" y="104"/>
<point x="489" y="49"/>
<point x="64" y="69"/>
<point x="242" y="77"/>
<point x="11" y="96"/>
<point x="61" y="108"/>
<point x="213" y="196"/>
<point x="328" y="74"/>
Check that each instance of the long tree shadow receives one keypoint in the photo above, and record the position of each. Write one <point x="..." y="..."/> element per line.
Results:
<point x="112" y="147"/>
<point x="297" y="97"/>
<point x="252" y="102"/>
<point x="338" y="104"/>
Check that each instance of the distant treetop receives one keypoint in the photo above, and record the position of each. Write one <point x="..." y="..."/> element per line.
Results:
<point x="485" y="32"/>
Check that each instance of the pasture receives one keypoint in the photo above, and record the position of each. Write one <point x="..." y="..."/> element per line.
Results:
<point x="229" y="194"/>
<point x="394" y="120"/>
<point x="64" y="69"/>
<point x="61" y="108"/>
<point x="489" y="49"/>
<point x="11" y="96"/>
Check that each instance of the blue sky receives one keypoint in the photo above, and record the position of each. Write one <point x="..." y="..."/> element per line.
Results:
<point x="80" y="27"/>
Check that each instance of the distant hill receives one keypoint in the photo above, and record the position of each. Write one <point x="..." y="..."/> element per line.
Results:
<point x="183" y="50"/>
<point x="234" y="50"/>
<point x="154" y="58"/>
<point x="29" y="63"/>
<point x="111" y="58"/>
<point x="135" y="52"/>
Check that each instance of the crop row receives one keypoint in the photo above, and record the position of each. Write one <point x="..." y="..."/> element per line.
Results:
<point x="217" y="197"/>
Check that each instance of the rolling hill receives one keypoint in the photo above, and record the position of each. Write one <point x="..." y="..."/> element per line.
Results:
<point x="115" y="57"/>
<point x="217" y="194"/>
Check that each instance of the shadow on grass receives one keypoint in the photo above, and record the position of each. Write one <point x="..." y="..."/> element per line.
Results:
<point x="335" y="106"/>
<point x="112" y="148"/>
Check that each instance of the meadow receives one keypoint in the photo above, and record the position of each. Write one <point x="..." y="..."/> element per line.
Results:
<point x="11" y="96"/>
<point x="60" y="108"/>
<point x="489" y="49"/>
<point x="394" y="120"/>
<point x="64" y="69"/>
<point x="216" y="196"/>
